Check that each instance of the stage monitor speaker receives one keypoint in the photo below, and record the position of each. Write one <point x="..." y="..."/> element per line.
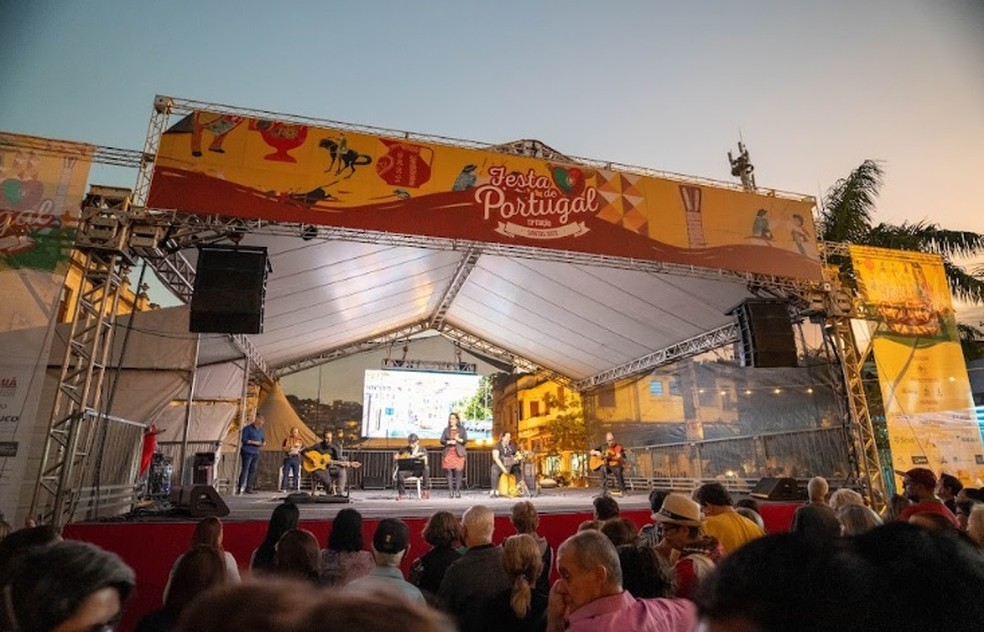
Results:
<point x="373" y="482"/>
<point x="230" y="288"/>
<point x="778" y="489"/>
<point x="766" y="334"/>
<point x="198" y="501"/>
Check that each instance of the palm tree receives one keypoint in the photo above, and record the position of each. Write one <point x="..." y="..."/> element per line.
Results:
<point x="846" y="215"/>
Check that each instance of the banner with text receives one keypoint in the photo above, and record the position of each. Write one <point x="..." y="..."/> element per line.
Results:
<point x="43" y="182"/>
<point x="225" y="164"/>
<point x="921" y="369"/>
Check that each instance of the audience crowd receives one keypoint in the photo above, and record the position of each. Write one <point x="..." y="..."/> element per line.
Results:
<point x="703" y="562"/>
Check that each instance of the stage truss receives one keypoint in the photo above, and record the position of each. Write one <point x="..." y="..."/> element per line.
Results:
<point x="158" y="236"/>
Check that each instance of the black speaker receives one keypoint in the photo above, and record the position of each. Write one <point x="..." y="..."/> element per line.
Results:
<point x="766" y="334"/>
<point x="230" y="287"/>
<point x="373" y="482"/>
<point x="198" y="501"/>
<point x="778" y="489"/>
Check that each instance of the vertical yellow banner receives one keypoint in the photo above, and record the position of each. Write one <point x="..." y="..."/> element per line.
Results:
<point x="921" y="368"/>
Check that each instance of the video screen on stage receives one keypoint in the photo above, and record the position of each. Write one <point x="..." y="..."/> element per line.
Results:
<point x="396" y="403"/>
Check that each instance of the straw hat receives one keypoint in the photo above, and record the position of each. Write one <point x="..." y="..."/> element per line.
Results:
<point x="678" y="509"/>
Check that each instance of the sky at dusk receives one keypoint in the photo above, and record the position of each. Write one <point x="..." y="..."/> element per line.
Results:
<point x="813" y="88"/>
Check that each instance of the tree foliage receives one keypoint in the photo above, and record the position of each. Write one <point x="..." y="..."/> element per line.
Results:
<point x="478" y="405"/>
<point x="567" y="428"/>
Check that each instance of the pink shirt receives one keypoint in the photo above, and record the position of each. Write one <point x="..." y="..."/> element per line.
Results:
<point x="623" y="612"/>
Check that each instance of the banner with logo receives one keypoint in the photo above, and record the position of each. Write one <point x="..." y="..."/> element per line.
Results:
<point x="923" y="377"/>
<point x="225" y="164"/>
<point x="41" y="187"/>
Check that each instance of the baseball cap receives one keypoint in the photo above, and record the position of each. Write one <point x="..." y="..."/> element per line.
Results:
<point x="921" y="476"/>
<point x="392" y="536"/>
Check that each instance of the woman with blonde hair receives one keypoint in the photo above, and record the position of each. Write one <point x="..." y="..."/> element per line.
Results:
<point x="519" y="608"/>
<point x="857" y="519"/>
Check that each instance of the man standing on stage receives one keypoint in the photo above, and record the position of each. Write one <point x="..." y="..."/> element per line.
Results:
<point x="612" y="457"/>
<point x="503" y="462"/>
<point x="419" y="453"/>
<point x="329" y="472"/>
<point x="249" y="454"/>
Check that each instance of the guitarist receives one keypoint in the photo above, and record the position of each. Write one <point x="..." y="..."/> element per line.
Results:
<point x="337" y="473"/>
<point x="613" y="460"/>
<point x="413" y="450"/>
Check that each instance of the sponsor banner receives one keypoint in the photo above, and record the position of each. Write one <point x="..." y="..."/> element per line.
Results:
<point x="42" y="185"/>
<point x="225" y="164"/>
<point x="921" y="368"/>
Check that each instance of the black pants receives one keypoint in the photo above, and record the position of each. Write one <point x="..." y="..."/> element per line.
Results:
<point x="454" y="479"/>
<point x="612" y="470"/>
<point x="402" y="475"/>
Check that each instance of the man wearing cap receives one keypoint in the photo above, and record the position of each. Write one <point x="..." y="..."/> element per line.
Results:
<point x="919" y="486"/>
<point x="389" y="544"/>
<point x="679" y="520"/>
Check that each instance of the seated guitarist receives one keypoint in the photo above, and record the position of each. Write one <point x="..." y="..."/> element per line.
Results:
<point x="613" y="459"/>
<point x="413" y="450"/>
<point x="325" y="475"/>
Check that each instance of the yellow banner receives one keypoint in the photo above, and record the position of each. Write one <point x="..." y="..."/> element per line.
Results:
<point x="921" y="368"/>
<point x="214" y="163"/>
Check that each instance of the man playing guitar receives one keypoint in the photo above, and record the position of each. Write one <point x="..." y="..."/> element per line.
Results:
<point x="325" y="462"/>
<point x="609" y="459"/>
<point x="411" y="461"/>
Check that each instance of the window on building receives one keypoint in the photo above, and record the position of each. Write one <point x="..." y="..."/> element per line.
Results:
<point x="656" y="388"/>
<point x="675" y="386"/>
<point x="535" y="408"/>
<point x="561" y="394"/>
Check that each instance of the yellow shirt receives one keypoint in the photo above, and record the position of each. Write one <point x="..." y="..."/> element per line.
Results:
<point x="732" y="530"/>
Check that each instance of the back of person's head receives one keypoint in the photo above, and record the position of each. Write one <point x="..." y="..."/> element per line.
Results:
<point x="951" y="484"/>
<point x="525" y="517"/>
<point x="346" y="531"/>
<point x="817" y="488"/>
<point x="523" y="563"/>
<point x="656" y="498"/>
<point x="975" y="525"/>
<point x="479" y="525"/>
<point x="845" y="496"/>
<point x="283" y="519"/>
<point x="749" y="503"/>
<point x="200" y="568"/>
<point x="50" y="583"/>
<point x="620" y="531"/>
<point x="713" y="494"/>
<point x="594" y="525"/>
<point x="291" y="606"/>
<point x="592" y="549"/>
<point x="642" y="572"/>
<point x="208" y="531"/>
<point x="20" y="541"/>
<point x="857" y="519"/>
<point x="442" y="529"/>
<point x="605" y="508"/>
<point x="298" y="555"/>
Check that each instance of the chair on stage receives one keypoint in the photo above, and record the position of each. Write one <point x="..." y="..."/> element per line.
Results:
<point x="415" y="473"/>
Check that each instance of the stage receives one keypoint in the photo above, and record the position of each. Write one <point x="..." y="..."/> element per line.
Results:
<point x="151" y="542"/>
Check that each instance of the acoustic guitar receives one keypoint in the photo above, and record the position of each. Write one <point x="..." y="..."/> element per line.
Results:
<point x="314" y="461"/>
<point x="609" y="458"/>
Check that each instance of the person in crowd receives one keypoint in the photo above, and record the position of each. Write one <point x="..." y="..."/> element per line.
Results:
<point x="418" y="453"/>
<point x="17" y="544"/>
<point x="454" y="439"/>
<point x="198" y="569"/>
<point x="605" y="508"/>
<point x="844" y="496"/>
<point x="66" y="586"/>
<point x="253" y="440"/>
<point x="610" y="459"/>
<point x="754" y="516"/>
<point x="526" y="519"/>
<point x="503" y="462"/>
<point x="594" y="525"/>
<point x="947" y="489"/>
<point x="975" y="525"/>
<point x="283" y="519"/>
<point x="680" y="523"/>
<point x="298" y="556"/>
<point x="649" y="534"/>
<point x="471" y="582"/>
<point x="643" y="574"/>
<point x="344" y="558"/>
<point x="326" y="463"/>
<point x="589" y="596"/>
<point x="208" y="532"/>
<point x="723" y="523"/>
<point x="290" y="476"/>
<point x="857" y="519"/>
<point x="963" y="508"/>
<point x="290" y="606"/>
<point x="750" y="503"/>
<point x="620" y="531"/>
<point x="895" y="577"/>
<point x="443" y="532"/>
<point x="919" y="486"/>
<point x="816" y="519"/>
<point x="390" y="544"/>
<point x="896" y="505"/>
<point x="519" y="608"/>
